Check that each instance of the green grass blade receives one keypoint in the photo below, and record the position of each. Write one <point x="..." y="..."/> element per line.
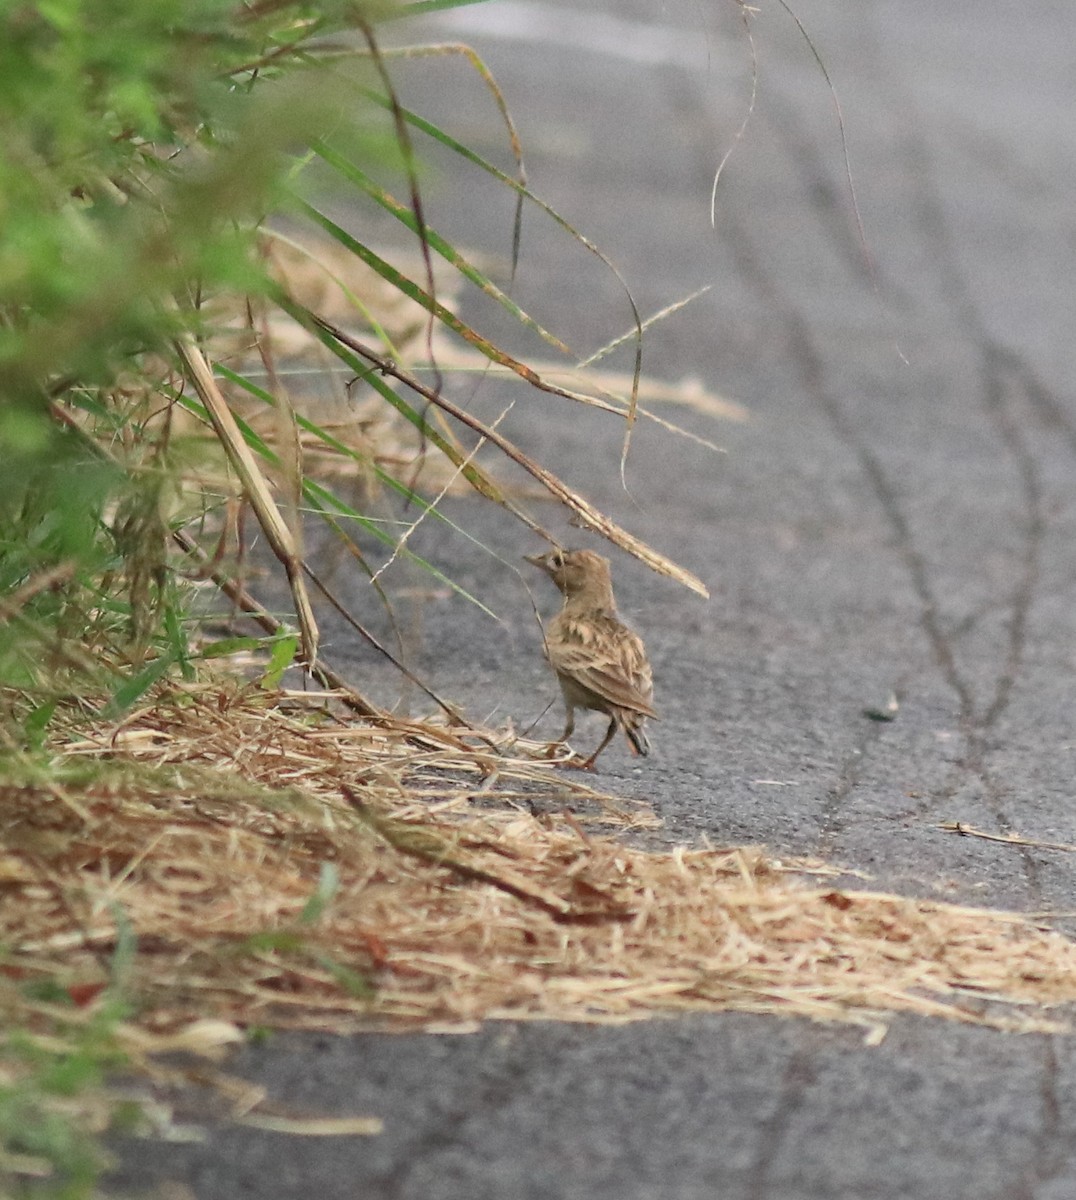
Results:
<point x="419" y="295"/>
<point x="354" y="174"/>
<point x="133" y="689"/>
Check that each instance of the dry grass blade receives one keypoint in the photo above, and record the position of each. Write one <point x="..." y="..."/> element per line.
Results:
<point x="421" y="844"/>
<point x="314" y="1126"/>
<point x="612" y="385"/>
<point x="448" y="709"/>
<point x="1006" y="839"/>
<point x="737" y="137"/>
<point x="484" y="73"/>
<point x="588" y="516"/>
<point x="256" y="487"/>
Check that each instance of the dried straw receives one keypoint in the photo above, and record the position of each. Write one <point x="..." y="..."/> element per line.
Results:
<point x="283" y="866"/>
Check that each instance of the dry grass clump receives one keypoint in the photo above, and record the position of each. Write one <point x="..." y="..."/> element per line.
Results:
<point x="281" y="865"/>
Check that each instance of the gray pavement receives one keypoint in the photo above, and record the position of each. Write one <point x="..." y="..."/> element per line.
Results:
<point x="896" y="517"/>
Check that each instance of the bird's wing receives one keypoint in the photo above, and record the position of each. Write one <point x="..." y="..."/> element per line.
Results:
<point x="604" y="656"/>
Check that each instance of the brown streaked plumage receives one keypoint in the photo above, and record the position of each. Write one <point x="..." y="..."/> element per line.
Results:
<point x="600" y="663"/>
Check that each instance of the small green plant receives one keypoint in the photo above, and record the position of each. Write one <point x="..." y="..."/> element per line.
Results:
<point x="53" y="1066"/>
<point x="164" y="173"/>
<point x="147" y="151"/>
<point x="143" y="147"/>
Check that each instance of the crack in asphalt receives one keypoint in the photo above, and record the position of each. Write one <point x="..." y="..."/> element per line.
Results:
<point x="1024" y="594"/>
<point x="1005" y="379"/>
<point x="1004" y="373"/>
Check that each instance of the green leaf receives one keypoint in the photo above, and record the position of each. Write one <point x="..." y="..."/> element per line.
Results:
<point x="126" y="948"/>
<point x="133" y="689"/>
<point x="177" y="638"/>
<point x="355" y="174"/>
<point x="272" y="940"/>
<point x="36" y="723"/>
<point x="281" y="657"/>
<point x="354" y="984"/>
<point x="235" y="645"/>
<point x="428" y="6"/>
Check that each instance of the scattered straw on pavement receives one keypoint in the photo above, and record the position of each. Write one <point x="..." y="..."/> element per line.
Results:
<point x="274" y="863"/>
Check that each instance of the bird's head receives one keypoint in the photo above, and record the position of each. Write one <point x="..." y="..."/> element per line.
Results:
<point x="576" y="572"/>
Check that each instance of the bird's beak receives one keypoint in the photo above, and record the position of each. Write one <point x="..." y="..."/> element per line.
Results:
<point x="536" y="560"/>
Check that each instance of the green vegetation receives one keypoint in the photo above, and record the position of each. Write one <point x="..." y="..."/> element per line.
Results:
<point x="144" y="150"/>
<point x="168" y="256"/>
<point x="162" y="173"/>
<point x="143" y="146"/>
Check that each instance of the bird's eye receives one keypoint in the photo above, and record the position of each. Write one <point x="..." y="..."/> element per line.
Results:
<point x="557" y="559"/>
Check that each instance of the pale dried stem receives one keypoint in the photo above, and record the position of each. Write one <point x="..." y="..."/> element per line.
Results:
<point x="256" y="487"/>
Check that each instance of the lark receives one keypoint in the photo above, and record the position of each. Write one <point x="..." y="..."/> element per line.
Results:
<point x="600" y="663"/>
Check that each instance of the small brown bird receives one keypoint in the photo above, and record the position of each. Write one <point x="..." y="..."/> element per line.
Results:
<point x="599" y="662"/>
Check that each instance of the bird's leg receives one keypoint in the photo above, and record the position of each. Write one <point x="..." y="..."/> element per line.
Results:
<point x="569" y="729"/>
<point x="589" y="764"/>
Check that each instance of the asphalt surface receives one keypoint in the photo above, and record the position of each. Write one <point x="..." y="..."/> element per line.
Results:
<point x="895" y="518"/>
